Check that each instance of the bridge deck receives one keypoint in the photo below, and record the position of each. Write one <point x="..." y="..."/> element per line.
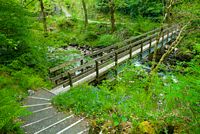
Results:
<point x="92" y="76"/>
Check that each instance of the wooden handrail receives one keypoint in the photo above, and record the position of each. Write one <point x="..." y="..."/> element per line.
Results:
<point x="97" y="64"/>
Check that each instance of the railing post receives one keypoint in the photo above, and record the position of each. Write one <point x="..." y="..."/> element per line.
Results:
<point x="70" y="79"/>
<point x="116" y="58"/>
<point x="150" y="43"/>
<point x="141" y="51"/>
<point x="130" y="52"/>
<point x="97" y="71"/>
<point x="82" y="64"/>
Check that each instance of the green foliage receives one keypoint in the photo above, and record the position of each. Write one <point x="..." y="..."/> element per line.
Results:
<point x="151" y="8"/>
<point x="106" y="40"/>
<point x="13" y="29"/>
<point x="18" y="44"/>
<point x="10" y="110"/>
<point x="170" y="103"/>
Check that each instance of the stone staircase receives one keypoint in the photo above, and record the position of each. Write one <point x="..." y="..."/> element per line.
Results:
<point x="45" y="119"/>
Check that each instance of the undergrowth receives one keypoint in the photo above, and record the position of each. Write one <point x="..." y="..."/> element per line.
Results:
<point x="126" y="107"/>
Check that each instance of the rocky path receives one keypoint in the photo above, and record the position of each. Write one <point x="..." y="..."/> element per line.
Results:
<point x="45" y="119"/>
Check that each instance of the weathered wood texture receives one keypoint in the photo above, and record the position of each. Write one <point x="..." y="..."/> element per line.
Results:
<point x="113" y="55"/>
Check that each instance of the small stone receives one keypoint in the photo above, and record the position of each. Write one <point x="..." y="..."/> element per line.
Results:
<point x="31" y="92"/>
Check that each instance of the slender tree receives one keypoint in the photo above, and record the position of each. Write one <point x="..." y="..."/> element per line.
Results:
<point x="85" y="12"/>
<point x="160" y="33"/>
<point x="43" y="16"/>
<point x="112" y="15"/>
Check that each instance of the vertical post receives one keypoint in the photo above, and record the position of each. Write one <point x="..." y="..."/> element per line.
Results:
<point x="150" y="43"/>
<point x="141" y="51"/>
<point x="116" y="58"/>
<point x="70" y="79"/>
<point x="82" y="64"/>
<point x="97" y="71"/>
<point x="131" y="51"/>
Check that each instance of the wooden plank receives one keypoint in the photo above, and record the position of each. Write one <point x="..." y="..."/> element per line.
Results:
<point x="64" y="65"/>
<point x="124" y="42"/>
<point x="105" y="57"/>
<point x="124" y="51"/>
<point x="107" y="62"/>
<point x="90" y="71"/>
<point x="82" y="67"/>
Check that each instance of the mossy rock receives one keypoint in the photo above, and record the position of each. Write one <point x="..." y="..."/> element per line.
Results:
<point x="146" y="127"/>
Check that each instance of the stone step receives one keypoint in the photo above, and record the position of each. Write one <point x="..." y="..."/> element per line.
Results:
<point x="39" y="115"/>
<point x="86" y="131"/>
<point x="32" y="101"/>
<point x="37" y="107"/>
<point x="42" y="93"/>
<point x="59" y="126"/>
<point x="43" y="123"/>
<point x="79" y="126"/>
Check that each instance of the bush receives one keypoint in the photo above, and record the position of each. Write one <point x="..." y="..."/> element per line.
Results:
<point x="171" y="105"/>
<point x="106" y="40"/>
<point x="10" y="110"/>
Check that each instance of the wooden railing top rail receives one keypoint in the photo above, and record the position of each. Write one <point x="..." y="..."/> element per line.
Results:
<point x="116" y="51"/>
<point x="64" y="65"/>
<point x="115" y="46"/>
<point x="107" y="57"/>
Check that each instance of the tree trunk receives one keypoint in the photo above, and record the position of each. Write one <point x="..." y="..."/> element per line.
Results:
<point x="85" y="12"/>
<point x="43" y="16"/>
<point x="112" y="14"/>
<point x="160" y="34"/>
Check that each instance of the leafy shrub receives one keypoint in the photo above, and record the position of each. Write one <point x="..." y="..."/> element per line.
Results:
<point x="172" y="102"/>
<point x="10" y="110"/>
<point x="106" y="40"/>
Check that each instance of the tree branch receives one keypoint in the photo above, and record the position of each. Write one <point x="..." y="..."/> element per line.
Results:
<point x="171" y="48"/>
<point x="160" y="34"/>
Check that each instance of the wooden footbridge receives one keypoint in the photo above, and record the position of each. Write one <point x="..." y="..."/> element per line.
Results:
<point x="108" y="58"/>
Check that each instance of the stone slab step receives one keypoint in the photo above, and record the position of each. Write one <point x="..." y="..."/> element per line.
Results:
<point x="42" y="93"/>
<point x="79" y="126"/>
<point x="38" y="107"/>
<point x="32" y="101"/>
<point x="86" y="131"/>
<point x="55" y="129"/>
<point x="39" y="115"/>
<point x="43" y="123"/>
